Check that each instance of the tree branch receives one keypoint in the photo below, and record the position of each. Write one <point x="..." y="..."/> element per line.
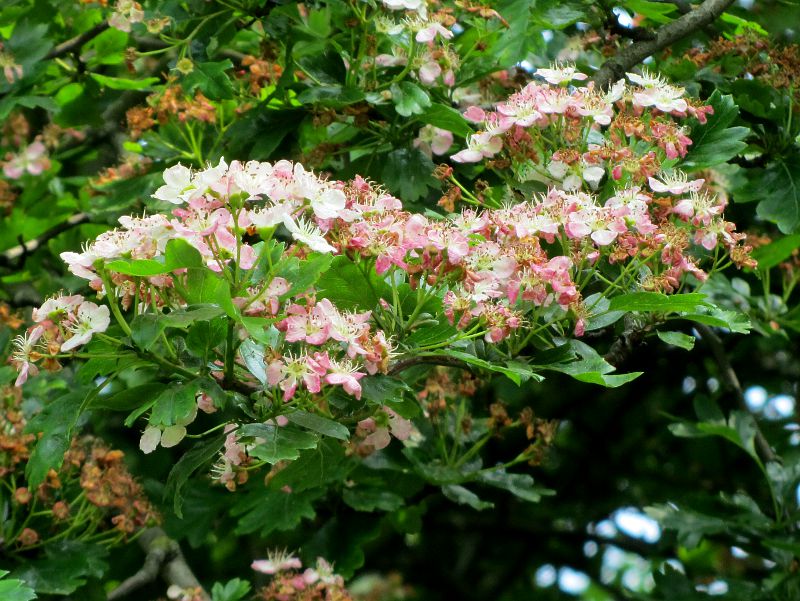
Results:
<point x="427" y="360"/>
<point x="14" y="255"/>
<point x="163" y="555"/>
<point x="78" y="41"/>
<point x="731" y="382"/>
<point x="616" y="67"/>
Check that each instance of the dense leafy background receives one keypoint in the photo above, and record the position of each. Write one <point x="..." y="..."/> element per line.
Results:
<point x="660" y="492"/>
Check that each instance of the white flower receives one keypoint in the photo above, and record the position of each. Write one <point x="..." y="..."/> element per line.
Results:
<point x="177" y="185"/>
<point x="479" y="145"/>
<point x="272" y="215"/>
<point x="328" y="203"/>
<point x="308" y="234"/>
<point x="56" y="307"/>
<point x="416" y="5"/>
<point x="675" y="182"/>
<point x="90" y="319"/>
<point x="560" y="75"/>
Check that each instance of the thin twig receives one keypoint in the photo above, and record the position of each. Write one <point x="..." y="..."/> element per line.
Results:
<point x="78" y="41"/>
<point x="731" y="382"/>
<point x="163" y="555"/>
<point x="630" y="56"/>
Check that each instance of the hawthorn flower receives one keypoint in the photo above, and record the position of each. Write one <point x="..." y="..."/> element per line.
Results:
<point x="347" y="375"/>
<point x="675" y="182"/>
<point x="277" y="561"/>
<point x="429" y="33"/>
<point x="126" y="12"/>
<point x="658" y="93"/>
<point x="32" y="159"/>
<point x="177" y="187"/>
<point x="12" y="70"/>
<point x="479" y="145"/>
<point x="560" y="75"/>
<point x="414" y="5"/>
<point x="289" y="371"/>
<point x="433" y="140"/>
<point x="90" y="319"/>
<point x="22" y="357"/>
<point x="57" y="308"/>
<point x="307" y="233"/>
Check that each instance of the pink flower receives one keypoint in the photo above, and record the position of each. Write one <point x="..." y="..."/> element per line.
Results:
<point x="345" y="374"/>
<point x="431" y="31"/>
<point x="32" y="159"/>
<point x="433" y="140"/>
<point x="289" y="371"/>
<point x="276" y="562"/>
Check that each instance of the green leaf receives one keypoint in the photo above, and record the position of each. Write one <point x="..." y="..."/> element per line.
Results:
<point x="590" y="367"/>
<point x="777" y="188"/>
<point x="678" y="339"/>
<point x="316" y="467"/>
<point x="408" y="173"/>
<point x="66" y="567"/>
<point x="280" y="443"/>
<point x="55" y="423"/>
<point x="303" y="274"/>
<point x="380" y="389"/>
<point x="210" y="79"/>
<point x="319" y="424"/>
<point x="122" y="83"/>
<point x="520" y="485"/>
<point x="264" y="512"/>
<point x="656" y="302"/>
<point x="199" y="456"/>
<point x="137" y="267"/>
<point x="175" y="405"/>
<point x="352" y="287"/>
<point x="732" y="320"/>
<point x="233" y="590"/>
<point x="777" y="251"/>
<point x="714" y="142"/>
<point x="14" y="590"/>
<point x="253" y="355"/>
<point x="128" y="399"/>
<point x="372" y="499"/>
<point x="655" y="11"/>
<point x="464" y="496"/>
<point x="446" y="117"/>
<point x="514" y="371"/>
<point x="740" y="429"/>
<point x="409" y="99"/>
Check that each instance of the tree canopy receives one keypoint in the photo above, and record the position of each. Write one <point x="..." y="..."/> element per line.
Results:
<point x="399" y="299"/>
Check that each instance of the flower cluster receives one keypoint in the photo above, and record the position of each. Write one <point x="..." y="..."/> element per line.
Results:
<point x="319" y="583"/>
<point x="63" y="324"/>
<point x="530" y="120"/>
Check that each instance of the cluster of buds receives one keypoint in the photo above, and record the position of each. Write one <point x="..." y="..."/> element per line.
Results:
<point x="93" y="493"/>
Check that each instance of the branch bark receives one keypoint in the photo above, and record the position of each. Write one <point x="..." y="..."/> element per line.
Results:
<point x="616" y="67"/>
<point x="731" y="382"/>
<point x="164" y="556"/>
<point x="78" y="41"/>
<point x="13" y="255"/>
